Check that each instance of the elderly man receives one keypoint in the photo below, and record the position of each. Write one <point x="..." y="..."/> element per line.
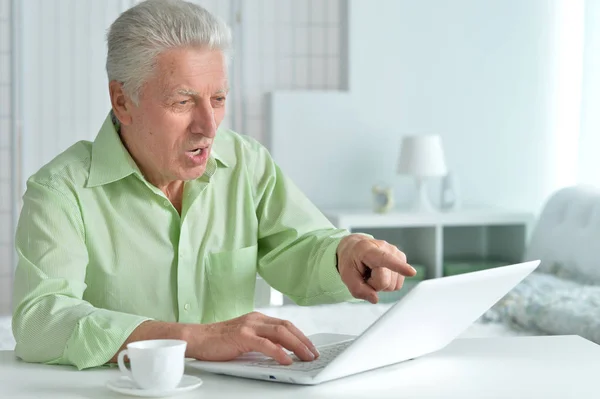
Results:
<point x="158" y="228"/>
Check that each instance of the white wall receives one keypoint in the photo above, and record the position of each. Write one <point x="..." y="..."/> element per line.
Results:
<point x="480" y="73"/>
<point x="5" y="158"/>
<point x="589" y="144"/>
<point x="63" y="80"/>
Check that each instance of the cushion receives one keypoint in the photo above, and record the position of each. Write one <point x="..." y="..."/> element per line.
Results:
<point x="566" y="235"/>
<point x="551" y="305"/>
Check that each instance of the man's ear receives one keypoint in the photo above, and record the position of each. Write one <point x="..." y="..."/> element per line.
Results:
<point x="121" y="103"/>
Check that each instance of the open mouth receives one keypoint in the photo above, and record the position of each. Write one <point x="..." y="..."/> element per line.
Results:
<point x="198" y="156"/>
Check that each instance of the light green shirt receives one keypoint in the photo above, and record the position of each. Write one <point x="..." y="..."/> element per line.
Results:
<point x="101" y="250"/>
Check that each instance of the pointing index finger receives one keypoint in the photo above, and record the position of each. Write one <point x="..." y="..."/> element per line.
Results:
<point x="377" y="256"/>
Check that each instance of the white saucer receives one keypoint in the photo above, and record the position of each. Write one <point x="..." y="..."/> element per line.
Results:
<point x="125" y="386"/>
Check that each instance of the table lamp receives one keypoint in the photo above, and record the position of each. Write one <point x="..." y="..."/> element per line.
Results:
<point x="422" y="157"/>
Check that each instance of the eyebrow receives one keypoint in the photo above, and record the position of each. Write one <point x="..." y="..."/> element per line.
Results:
<point x="193" y="93"/>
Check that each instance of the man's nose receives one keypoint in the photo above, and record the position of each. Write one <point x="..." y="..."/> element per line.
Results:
<point x="204" y="120"/>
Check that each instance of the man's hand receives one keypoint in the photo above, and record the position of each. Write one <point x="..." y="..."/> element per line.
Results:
<point x="253" y="332"/>
<point x="368" y="266"/>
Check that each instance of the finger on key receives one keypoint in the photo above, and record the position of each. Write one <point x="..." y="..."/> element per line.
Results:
<point x="281" y="335"/>
<point x="296" y="331"/>
<point x="265" y="346"/>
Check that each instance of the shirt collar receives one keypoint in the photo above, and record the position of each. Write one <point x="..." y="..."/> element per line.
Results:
<point x="111" y="161"/>
<point x="217" y="157"/>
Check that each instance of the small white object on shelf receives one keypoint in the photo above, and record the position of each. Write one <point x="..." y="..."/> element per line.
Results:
<point x="383" y="198"/>
<point x="422" y="157"/>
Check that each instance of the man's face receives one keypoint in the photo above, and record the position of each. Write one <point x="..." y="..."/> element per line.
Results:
<point x="180" y="108"/>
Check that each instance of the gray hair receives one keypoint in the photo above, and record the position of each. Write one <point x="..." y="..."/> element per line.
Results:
<point x="142" y="32"/>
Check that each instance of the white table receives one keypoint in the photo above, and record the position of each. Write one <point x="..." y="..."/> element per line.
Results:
<point x="516" y="367"/>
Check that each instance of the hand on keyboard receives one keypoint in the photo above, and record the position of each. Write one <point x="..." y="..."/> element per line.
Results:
<point x="253" y="332"/>
<point x="328" y="353"/>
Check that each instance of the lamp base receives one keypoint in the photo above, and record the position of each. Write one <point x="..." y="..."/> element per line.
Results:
<point x="422" y="202"/>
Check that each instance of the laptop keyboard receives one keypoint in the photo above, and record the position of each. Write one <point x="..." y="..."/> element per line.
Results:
<point x="327" y="354"/>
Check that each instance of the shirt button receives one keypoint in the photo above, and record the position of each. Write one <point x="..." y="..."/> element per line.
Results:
<point x="166" y="203"/>
<point x="186" y="306"/>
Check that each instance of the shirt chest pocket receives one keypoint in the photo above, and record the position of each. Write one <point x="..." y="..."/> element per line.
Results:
<point x="231" y="280"/>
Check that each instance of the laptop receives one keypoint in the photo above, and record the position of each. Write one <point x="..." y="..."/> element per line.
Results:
<point x="425" y="320"/>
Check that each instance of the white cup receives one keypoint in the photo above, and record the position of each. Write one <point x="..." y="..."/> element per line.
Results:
<point x="155" y="363"/>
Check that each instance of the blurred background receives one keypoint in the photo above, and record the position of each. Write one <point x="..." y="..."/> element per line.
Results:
<point x="511" y="88"/>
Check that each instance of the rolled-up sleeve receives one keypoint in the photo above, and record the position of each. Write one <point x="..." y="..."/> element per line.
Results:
<point x="51" y="321"/>
<point x="297" y="244"/>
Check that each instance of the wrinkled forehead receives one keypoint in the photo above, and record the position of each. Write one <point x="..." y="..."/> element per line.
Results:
<point x="192" y="70"/>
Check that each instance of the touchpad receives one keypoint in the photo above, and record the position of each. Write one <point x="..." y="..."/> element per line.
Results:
<point x="323" y="339"/>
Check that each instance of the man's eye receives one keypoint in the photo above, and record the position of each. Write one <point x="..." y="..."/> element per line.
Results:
<point x="184" y="102"/>
<point x="220" y="99"/>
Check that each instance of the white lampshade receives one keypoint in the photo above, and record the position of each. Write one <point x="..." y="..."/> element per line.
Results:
<point x="422" y="156"/>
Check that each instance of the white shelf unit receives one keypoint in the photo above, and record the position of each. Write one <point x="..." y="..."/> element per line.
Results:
<point x="430" y="239"/>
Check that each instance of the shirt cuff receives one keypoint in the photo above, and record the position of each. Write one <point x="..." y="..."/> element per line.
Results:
<point x="332" y="287"/>
<point x="331" y="281"/>
<point x="98" y="336"/>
